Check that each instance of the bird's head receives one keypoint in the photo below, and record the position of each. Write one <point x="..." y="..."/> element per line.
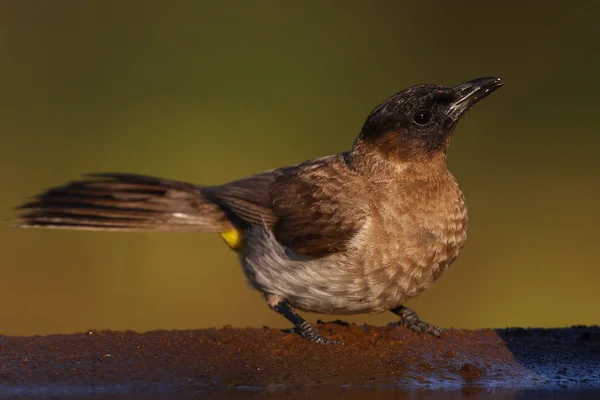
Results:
<point x="418" y="122"/>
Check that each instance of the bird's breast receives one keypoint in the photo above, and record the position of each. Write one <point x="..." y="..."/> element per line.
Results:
<point x="410" y="241"/>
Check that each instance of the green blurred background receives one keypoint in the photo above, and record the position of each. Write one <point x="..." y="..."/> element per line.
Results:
<point x="211" y="91"/>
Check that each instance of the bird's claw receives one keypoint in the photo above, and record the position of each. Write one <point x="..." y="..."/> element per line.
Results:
<point x="410" y="320"/>
<point x="311" y="334"/>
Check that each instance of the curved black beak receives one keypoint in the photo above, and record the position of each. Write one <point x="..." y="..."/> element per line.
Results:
<point x="469" y="93"/>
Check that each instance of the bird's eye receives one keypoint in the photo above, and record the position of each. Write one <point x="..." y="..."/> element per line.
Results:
<point x="423" y="116"/>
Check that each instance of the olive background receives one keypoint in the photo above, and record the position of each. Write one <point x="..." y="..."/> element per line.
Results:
<point x="212" y="91"/>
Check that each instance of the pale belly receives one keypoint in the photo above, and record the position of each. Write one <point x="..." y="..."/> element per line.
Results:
<point x="364" y="279"/>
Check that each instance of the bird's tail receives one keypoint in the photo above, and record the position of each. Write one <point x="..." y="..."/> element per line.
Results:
<point x="125" y="202"/>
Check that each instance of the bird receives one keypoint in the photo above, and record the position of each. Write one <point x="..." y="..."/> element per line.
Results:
<point x="360" y="231"/>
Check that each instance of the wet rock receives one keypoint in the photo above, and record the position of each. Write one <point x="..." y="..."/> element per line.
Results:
<point x="195" y="361"/>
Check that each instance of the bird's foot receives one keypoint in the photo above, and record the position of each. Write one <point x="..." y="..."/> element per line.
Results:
<point x="305" y="329"/>
<point x="410" y="320"/>
<point x="310" y="333"/>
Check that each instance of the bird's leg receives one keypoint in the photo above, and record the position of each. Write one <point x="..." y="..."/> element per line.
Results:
<point x="305" y="329"/>
<point x="410" y="320"/>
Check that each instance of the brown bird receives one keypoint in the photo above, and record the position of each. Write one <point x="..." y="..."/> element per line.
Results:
<point x="357" y="232"/>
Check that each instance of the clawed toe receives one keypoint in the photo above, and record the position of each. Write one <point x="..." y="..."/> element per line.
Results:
<point x="311" y="334"/>
<point x="301" y="327"/>
<point x="410" y="320"/>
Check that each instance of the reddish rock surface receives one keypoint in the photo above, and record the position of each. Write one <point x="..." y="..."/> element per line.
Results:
<point x="203" y="361"/>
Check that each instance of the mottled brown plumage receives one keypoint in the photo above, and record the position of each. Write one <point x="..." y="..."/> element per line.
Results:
<point x="361" y="231"/>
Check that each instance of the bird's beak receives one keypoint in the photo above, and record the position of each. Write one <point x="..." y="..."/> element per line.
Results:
<point x="469" y="93"/>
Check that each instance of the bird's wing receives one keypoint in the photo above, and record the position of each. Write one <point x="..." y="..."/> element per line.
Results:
<point x="314" y="208"/>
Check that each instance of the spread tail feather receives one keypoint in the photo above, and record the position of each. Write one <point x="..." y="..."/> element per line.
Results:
<point x="124" y="202"/>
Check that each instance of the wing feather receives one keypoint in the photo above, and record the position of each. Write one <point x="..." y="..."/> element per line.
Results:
<point x="314" y="208"/>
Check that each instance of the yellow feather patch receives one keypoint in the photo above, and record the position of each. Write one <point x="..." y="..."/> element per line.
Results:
<point x="233" y="238"/>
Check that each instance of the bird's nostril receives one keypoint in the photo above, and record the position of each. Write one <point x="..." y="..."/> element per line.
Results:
<point x="463" y="92"/>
